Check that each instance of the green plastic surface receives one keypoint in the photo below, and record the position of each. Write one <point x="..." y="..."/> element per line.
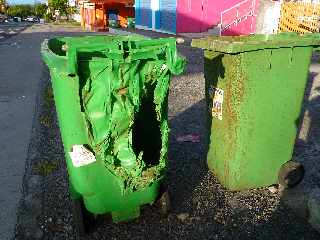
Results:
<point x="263" y="80"/>
<point x="111" y="96"/>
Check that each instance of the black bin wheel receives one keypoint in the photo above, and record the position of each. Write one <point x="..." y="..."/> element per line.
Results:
<point x="291" y="174"/>
<point x="85" y="221"/>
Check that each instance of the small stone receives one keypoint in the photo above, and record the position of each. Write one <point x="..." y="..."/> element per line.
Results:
<point x="281" y="188"/>
<point x="273" y="189"/>
<point x="183" y="216"/>
<point x="180" y="40"/>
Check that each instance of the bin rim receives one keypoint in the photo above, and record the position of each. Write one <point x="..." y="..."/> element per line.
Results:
<point x="239" y="44"/>
<point x="51" y="57"/>
<point x="143" y="48"/>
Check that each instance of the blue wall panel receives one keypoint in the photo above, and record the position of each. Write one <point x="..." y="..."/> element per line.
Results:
<point x="165" y="18"/>
<point x="168" y="15"/>
<point x="143" y="13"/>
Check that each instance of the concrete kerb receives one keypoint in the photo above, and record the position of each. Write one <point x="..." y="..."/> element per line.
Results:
<point x="31" y="203"/>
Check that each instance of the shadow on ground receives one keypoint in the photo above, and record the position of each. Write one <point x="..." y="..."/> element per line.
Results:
<point x="305" y="198"/>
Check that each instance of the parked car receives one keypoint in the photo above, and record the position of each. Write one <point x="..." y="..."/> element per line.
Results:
<point x="3" y="18"/>
<point x="29" y="19"/>
<point x="17" y="19"/>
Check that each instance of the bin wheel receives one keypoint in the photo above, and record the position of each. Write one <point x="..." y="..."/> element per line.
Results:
<point x="164" y="204"/>
<point x="291" y="174"/>
<point x="84" y="220"/>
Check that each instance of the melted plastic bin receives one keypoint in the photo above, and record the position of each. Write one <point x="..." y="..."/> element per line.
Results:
<point x="254" y="90"/>
<point x="111" y="99"/>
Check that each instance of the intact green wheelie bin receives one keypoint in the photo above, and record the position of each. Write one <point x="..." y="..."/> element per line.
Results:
<point x="254" y="91"/>
<point x="111" y="99"/>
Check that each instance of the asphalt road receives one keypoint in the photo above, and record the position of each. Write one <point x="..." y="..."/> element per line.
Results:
<point x="11" y="28"/>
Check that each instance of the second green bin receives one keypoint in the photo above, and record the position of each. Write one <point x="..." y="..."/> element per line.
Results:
<point x="254" y="90"/>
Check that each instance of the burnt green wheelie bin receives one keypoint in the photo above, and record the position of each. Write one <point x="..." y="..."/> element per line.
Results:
<point x="111" y="99"/>
<point x="254" y="91"/>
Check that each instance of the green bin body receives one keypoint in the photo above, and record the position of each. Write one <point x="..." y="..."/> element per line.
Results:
<point x="111" y="99"/>
<point x="254" y="91"/>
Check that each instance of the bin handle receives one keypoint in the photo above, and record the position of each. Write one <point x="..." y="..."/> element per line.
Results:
<point x="72" y="61"/>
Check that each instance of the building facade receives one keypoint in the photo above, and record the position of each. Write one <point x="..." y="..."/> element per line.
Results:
<point x="233" y="17"/>
<point x="95" y="14"/>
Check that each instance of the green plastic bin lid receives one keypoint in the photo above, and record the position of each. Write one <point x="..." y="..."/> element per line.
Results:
<point x="64" y="52"/>
<point x="237" y="44"/>
<point x="85" y="41"/>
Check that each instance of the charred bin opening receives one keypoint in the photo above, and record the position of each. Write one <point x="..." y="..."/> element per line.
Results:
<point x="146" y="135"/>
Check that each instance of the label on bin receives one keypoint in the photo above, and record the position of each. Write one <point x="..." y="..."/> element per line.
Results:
<point x="217" y="102"/>
<point x="81" y="156"/>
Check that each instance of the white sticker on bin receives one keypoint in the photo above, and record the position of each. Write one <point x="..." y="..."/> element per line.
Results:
<point x="217" y="103"/>
<point x="81" y="156"/>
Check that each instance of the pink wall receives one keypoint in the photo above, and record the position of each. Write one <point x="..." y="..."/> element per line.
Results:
<point x="189" y="15"/>
<point x="200" y="15"/>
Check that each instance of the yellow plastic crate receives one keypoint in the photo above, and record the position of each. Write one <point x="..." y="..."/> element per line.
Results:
<point x="299" y="17"/>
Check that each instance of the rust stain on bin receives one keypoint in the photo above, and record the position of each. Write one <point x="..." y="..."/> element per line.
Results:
<point x="235" y="91"/>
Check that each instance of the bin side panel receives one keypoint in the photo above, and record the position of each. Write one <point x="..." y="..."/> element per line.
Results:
<point x="68" y="111"/>
<point x="218" y="156"/>
<point x="272" y="111"/>
<point x="106" y="86"/>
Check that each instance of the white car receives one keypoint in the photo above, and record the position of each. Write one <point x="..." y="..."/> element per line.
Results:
<point x="29" y="19"/>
